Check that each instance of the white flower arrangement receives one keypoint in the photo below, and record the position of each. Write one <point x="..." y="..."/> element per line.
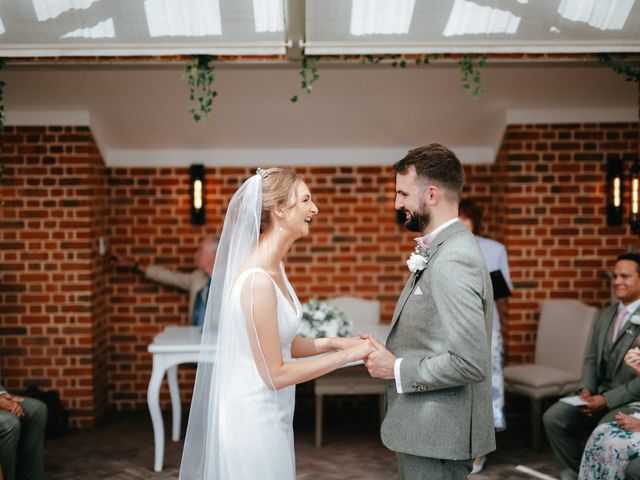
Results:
<point x="321" y="320"/>
<point x="418" y="259"/>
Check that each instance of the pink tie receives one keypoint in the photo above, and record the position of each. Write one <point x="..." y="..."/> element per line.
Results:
<point x="425" y="241"/>
<point x="618" y="325"/>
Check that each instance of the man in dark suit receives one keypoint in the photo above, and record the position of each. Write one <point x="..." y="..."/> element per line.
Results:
<point x="22" y="425"/>
<point x="607" y="383"/>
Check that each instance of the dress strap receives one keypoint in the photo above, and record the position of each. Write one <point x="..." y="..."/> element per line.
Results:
<point x="249" y="271"/>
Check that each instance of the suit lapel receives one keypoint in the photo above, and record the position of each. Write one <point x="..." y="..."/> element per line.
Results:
<point x="604" y="335"/>
<point x="404" y="296"/>
<point x="626" y="339"/>
<point x="415" y="277"/>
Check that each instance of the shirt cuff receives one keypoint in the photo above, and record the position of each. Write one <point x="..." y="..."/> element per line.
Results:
<point x="3" y="393"/>
<point x="396" y="374"/>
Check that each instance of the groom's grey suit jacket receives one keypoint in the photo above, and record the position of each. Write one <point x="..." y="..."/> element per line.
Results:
<point x="442" y="329"/>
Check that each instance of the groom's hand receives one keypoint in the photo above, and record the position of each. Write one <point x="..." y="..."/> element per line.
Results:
<point x="380" y="362"/>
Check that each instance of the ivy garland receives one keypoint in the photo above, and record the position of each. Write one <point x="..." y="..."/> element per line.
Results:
<point x="630" y="73"/>
<point x="471" y="75"/>
<point x="309" y="74"/>
<point x="200" y="78"/>
<point x="470" y="69"/>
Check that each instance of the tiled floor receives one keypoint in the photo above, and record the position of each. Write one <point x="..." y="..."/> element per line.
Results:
<point x="122" y="448"/>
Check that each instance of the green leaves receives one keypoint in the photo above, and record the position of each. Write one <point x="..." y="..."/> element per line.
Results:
<point x="630" y="73"/>
<point x="471" y="74"/>
<point x="200" y="79"/>
<point x="309" y="74"/>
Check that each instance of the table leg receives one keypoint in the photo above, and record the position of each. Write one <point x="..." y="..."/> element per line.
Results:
<point x="176" y="407"/>
<point x="153" y="400"/>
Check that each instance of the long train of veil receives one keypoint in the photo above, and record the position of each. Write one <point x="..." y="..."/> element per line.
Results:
<point x="222" y="347"/>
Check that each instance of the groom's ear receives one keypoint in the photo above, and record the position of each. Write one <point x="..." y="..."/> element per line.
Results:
<point x="432" y="194"/>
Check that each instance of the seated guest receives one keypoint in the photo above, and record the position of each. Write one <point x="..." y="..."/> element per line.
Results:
<point x="22" y="426"/>
<point x="606" y="383"/>
<point x="613" y="449"/>
<point x="195" y="282"/>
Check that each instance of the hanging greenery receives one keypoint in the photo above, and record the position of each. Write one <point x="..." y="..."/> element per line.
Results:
<point x="470" y="70"/>
<point x="200" y="78"/>
<point x="471" y="74"/>
<point x="309" y="74"/>
<point x="629" y="72"/>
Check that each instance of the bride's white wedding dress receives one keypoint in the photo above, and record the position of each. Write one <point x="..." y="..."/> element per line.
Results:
<point x="256" y="422"/>
<point x="240" y="427"/>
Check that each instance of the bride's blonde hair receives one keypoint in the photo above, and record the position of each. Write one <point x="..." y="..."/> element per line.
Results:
<point x="278" y="187"/>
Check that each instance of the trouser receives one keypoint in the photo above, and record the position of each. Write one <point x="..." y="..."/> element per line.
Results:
<point x="412" y="467"/>
<point x="562" y="422"/>
<point x="632" y="472"/>
<point x="22" y="441"/>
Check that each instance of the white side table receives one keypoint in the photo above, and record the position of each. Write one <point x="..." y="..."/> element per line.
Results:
<point x="170" y="348"/>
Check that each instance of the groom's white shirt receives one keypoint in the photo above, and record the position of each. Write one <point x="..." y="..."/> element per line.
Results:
<point x="421" y="241"/>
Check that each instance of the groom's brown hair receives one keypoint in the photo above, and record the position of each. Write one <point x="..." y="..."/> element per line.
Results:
<point x="435" y="163"/>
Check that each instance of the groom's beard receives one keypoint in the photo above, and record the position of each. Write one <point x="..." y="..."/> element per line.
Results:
<point x="419" y="220"/>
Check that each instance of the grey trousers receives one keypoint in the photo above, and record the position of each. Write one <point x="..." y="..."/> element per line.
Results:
<point x="22" y="441"/>
<point x="632" y="471"/>
<point x="562" y="423"/>
<point x="423" y="468"/>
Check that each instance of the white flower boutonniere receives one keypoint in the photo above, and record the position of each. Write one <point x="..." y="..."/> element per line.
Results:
<point x="634" y="319"/>
<point x="418" y="259"/>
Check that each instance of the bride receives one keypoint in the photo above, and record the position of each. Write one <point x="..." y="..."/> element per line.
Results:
<point x="241" y="419"/>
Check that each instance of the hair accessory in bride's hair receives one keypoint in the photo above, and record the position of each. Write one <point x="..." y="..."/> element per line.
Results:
<point x="262" y="172"/>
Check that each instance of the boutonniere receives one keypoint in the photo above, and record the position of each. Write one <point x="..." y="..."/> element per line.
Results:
<point x="418" y="259"/>
<point x="634" y="319"/>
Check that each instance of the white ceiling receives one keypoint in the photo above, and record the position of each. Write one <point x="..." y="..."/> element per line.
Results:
<point x="356" y="114"/>
<point x="236" y="27"/>
<point x="139" y="112"/>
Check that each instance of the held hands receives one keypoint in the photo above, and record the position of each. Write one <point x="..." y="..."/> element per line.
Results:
<point x="11" y="404"/>
<point x="595" y="403"/>
<point x="358" y="349"/>
<point x="380" y="361"/>
<point x="628" y="422"/>
<point x="632" y="359"/>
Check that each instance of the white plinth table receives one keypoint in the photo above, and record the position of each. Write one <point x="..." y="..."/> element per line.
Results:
<point x="170" y="348"/>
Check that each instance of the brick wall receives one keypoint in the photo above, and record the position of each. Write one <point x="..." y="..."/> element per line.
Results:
<point x="72" y="323"/>
<point x="52" y="332"/>
<point x="355" y="248"/>
<point x="551" y="186"/>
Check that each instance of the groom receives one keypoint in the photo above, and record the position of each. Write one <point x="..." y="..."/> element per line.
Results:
<point x="437" y="360"/>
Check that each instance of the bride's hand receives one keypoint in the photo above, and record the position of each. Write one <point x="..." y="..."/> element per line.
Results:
<point x="360" y="350"/>
<point x="342" y="343"/>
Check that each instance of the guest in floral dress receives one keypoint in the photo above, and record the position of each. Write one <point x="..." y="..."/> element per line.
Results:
<point x="613" y="449"/>
<point x="495" y="256"/>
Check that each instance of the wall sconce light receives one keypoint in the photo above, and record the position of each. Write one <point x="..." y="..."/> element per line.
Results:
<point x="634" y="212"/>
<point x="197" y="194"/>
<point x="615" y="177"/>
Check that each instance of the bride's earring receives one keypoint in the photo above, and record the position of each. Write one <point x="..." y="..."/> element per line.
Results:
<point x="280" y="229"/>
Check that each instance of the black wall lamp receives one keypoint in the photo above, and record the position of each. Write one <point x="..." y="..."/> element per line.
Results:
<point x="615" y="179"/>
<point x="197" y="195"/>
<point x="634" y="212"/>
